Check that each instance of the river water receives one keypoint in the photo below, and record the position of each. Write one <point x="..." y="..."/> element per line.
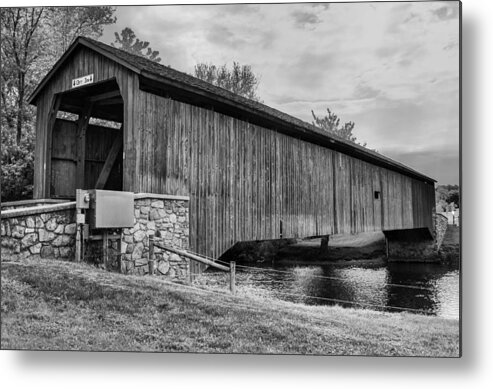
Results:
<point x="429" y="289"/>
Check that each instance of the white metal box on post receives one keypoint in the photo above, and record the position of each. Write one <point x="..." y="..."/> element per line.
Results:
<point x="111" y="209"/>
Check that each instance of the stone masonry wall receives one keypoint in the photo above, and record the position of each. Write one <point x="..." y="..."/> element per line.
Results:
<point x="167" y="216"/>
<point x="441" y="225"/>
<point x="38" y="234"/>
<point x="419" y="250"/>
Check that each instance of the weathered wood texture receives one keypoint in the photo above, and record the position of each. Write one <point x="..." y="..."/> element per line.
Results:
<point x="243" y="179"/>
<point x="84" y="62"/>
<point x="99" y="141"/>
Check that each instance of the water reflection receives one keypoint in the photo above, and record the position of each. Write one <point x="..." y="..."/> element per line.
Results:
<point x="424" y="288"/>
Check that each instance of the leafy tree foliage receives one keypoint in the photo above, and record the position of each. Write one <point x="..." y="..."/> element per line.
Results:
<point x="240" y="79"/>
<point x="20" y="39"/>
<point x="453" y="197"/>
<point x="129" y="42"/>
<point x="64" y="24"/>
<point x="332" y="124"/>
<point x="17" y="165"/>
<point x="447" y="198"/>
<point x="32" y="41"/>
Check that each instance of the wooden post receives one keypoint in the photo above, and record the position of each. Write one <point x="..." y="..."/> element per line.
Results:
<point x="190" y="275"/>
<point x="78" y="237"/>
<point x="232" y="277"/>
<point x="151" y="262"/>
<point x="120" y="254"/>
<point x="105" y="249"/>
<point x="387" y="247"/>
<point x="324" y="245"/>
<point x="82" y="125"/>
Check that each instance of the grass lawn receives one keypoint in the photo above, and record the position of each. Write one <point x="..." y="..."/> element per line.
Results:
<point x="54" y="305"/>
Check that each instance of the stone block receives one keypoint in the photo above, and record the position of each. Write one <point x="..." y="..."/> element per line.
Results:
<point x="151" y="226"/>
<point x="62" y="240"/>
<point x="47" y="252"/>
<point x="46" y="236"/>
<point x="51" y="224"/>
<point x="39" y="221"/>
<point x="18" y="231"/>
<point x="174" y="258"/>
<point x="144" y="210"/>
<point x="30" y="222"/>
<point x="35" y="249"/>
<point x="44" y="217"/>
<point x="59" y="230"/>
<point x="70" y="229"/>
<point x="6" y="230"/>
<point x="137" y="251"/>
<point x="172" y="218"/>
<point x="29" y="240"/>
<point x="157" y="204"/>
<point x="66" y="252"/>
<point x="139" y="236"/>
<point x="154" y="215"/>
<point x="123" y="247"/>
<point x="163" y="267"/>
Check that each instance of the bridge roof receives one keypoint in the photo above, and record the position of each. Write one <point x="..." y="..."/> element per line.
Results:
<point x="165" y="75"/>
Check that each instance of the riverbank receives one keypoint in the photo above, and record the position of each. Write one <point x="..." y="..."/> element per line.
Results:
<point x="53" y="305"/>
<point x="364" y="248"/>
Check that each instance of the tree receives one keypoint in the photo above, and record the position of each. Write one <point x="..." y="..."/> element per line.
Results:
<point x="129" y="42"/>
<point x="453" y="197"/>
<point x="331" y="124"/>
<point x="32" y="41"/>
<point x="447" y="197"/>
<point x="240" y="79"/>
<point x="20" y="39"/>
<point x="64" y="24"/>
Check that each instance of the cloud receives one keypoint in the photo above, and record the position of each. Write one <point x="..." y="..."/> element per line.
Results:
<point x="447" y="12"/>
<point x="221" y="35"/>
<point x="441" y="165"/>
<point x="303" y="19"/>
<point x="363" y="91"/>
<point x="237" y="9"/>
<point x="392" y="68"/>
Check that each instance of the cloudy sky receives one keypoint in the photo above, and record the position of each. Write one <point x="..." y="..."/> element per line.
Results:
<point x="392" y="68"/>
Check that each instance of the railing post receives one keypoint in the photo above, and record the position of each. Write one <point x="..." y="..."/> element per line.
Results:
<point x="151" y="262"/>
<point x="105" y="250"/>
<point x="232" y="277"/>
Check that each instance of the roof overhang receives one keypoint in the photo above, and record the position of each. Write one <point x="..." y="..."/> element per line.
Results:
<point x="172" y="88"/>
<point x="252" y="112"/>
<point x="78" y="42"/>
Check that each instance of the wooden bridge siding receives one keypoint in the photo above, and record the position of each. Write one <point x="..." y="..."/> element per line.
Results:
<point x="81" y="63"/>
<point x="172" y="147"/>
<point x="64" y="156"/>
<point x="244" y="179"/>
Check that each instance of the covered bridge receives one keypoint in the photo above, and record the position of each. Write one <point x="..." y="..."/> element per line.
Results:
<point x="251" y="172"/>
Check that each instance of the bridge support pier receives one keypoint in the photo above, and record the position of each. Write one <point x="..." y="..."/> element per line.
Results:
<point x="324" y="245"/>
<point x="410" y="245"/>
